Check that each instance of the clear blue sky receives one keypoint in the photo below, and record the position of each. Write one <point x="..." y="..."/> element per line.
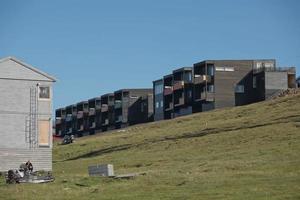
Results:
<point x="95" y="47"/>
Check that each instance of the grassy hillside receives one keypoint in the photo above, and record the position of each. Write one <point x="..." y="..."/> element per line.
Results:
<point x="249" y="152"/>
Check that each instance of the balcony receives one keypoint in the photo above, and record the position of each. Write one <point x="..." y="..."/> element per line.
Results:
<point x="93" y="125"/>
<point x="79" y="114"/>
<point x="208" y="96"/>
<point x="92" y="112"/>
<point x="69" y="118"/>
<point x="180" y="102"/>
<point x="58" y="120"/>
<point x="80" y="128"/>
<point x="105" y="123"/>
<point x="199" y="79"/>
<point x="118" y="104"/>
<point x="119" y="119"/>
<point x="104" y="108"/>
<point x="170" y="107"/>
<point x="168" y="90"/>
<point x="178" y="85"/>
<point x="69" y="131"/>
<point x="74" y="113"/>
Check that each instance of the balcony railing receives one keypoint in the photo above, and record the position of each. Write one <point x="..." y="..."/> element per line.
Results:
<point x="119" y="119"/>
<point x="70" y="130"/>
<point x="69" y="118"/>
<point x="205" y="96"/>
<point x="118" y="104"/>
<point x="80" y="128"/>
<point x="93" y="125"/>
<point x="79" y="114"/>
<point x="199" y="79"/>
<point x="168" y="90"/>
<point x="178" y="85"/>
<point x="105" y="123"/>
<point x="58" y="120"/>
<point x="104" y="108"/>
<point x="291" y="70"/>
<point x="208" y="96"/>
<point x="180" y="102"/>
<point x="170" y="107"/>
<point x="92" y="112"/>
<point x="98" y="107"/>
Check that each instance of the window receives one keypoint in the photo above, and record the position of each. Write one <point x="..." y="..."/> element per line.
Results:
<point x="161" y="104"/>
<point x="210" y="88"/>
<point x="44" y="92"/>
<point x="188" y="77"/>
<point x="134" y="97"/>
<point x="210" y="70"/>
<point x="157" y="104"/>
<point x="229" y="69"/>
<point x="125" y="94"/>
<point x="239" y="89"/>
<point x="189" y="94"/>
<point x="254" y="81"/>
<point x="225" y="69"/>
<point x="220" y="69"/>
<point x="142" y="107"/>
<point x="158" y="88"/>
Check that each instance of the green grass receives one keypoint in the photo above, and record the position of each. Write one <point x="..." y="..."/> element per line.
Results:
<point x="249" y="152"/>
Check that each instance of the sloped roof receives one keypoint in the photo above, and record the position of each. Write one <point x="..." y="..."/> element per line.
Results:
<point x="28" y="67"/>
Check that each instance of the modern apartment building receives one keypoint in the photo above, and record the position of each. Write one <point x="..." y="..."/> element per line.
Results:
<point x="128" y="106"/>
<point x="226" y="83"/>
<point x="107" y="112"/>
<point x="214" y="84"/>
<point x="113" y="110"/>
<point x="94" y="117"/>
<point x="206" y="85"/>
<point x="82" y="118"/>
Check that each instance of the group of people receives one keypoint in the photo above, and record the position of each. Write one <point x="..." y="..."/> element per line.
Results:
<point x="14" y="176"/>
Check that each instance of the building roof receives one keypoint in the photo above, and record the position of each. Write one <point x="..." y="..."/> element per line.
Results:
<point x="28" y="67"/>
<point x="132" y="89"/>
<point x="236" y="60"/>
<point x="107" y="95"/>
<point x="183" y="69"/>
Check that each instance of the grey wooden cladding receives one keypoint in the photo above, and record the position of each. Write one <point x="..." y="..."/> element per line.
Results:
<point x="20" y="125"/>
<point x="10" y="158"/>
<point x="101" y="170"/>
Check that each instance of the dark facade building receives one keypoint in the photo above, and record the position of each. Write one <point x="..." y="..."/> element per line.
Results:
<point x="129" y="106"/>
<point x="71" y="119"/>
<point x="214" y="84"/>
<point x="226" y="83"/>
<point x="60" y="122"/>
<point x="94" y="118"/>
<point x="182" y="91"/>
<point x="298" y="82"/>
<point x="173" y="94"/>
<point x="158" y="99"/>
<point x="168" y="96"/>
<point x="82" y="118"/>
<point x="110" y="111"/>
<point x="107" y="112"/>
<point x="207" y="85"/>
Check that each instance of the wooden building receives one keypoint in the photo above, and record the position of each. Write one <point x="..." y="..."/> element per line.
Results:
<point x="214" y="84"/>
<point x="25" y="115"/>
